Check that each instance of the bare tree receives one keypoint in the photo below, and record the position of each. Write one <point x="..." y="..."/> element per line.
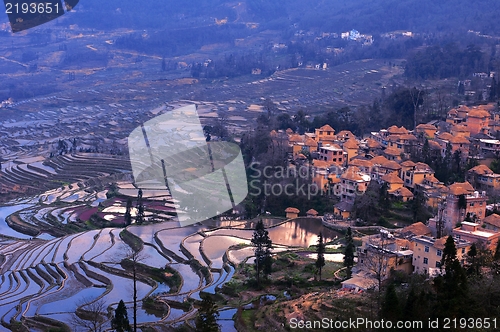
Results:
<point x="135" y="257"/>
<point x="417" y="100"/>
<point x="376" y="258"/>
<point x="90" y="315"/>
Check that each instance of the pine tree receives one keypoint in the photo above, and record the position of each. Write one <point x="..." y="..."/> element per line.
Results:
<point x="128" y="215"/>
<point x="473" y="267"/>
<point x="349" y="252"/>
<point x="410" y="305"/>
<point x="139" y="218"/>
<point x="452" y="286"/>
<point x="320" y="250"/>
<point x="262" y="248"/>
<point x="426" y="152"/>
<point x="207" y="316"/>
<point x="120" y="322"/>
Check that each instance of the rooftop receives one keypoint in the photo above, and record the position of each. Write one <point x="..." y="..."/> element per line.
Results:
<point x="493" y="219"/>
<point x="481" y="170"/>
<point x="461" y="188"/>
<point x="392" y="178"/>
<point x="326" y="128"/>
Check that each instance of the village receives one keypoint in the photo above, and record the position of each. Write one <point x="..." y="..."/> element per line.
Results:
<point x="343" y="165"/>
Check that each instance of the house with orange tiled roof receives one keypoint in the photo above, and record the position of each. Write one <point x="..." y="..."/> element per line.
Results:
<point x="296" y="144"/>
<point x="478" y="120"/>
<point x="312" y="213"/>
<point x="383" y="166"/>
<point x="402" y="194"/>
<point x="457" y="115"/>
<point x="364" y="165"/>
<point x="435" y="146"/>
<point x="332" y="153"/>
<point x="415" y="229"/>
<point x="394" y="130"/>
<point x="483" y="178"/>
<point x="492" y="222"/>
<point x="392" y="153"/>
<point x="372" y="146"/>
<point x="428" y="252"/>
<point x="460" y="130"/>
<point x="414" y="174"/>
<point x="351" y="147"/>
<point x="434" y="191"/>
<point x="389" y="167"/>
<point x="457" y="143"/>
<point x="344" y="135"/>
<point x="353" y="183"/>
<point x="426" y="130"/>
<point x="474" y="233"/>
<point x="393" y="181"/>
<point x="292" y="212"/>
<point x="324" y="134"/>
<point x="326" y="176"/>
<point x="310" y="144"/>
<point x="407" y="140"/>
<point x="379" y="160"/>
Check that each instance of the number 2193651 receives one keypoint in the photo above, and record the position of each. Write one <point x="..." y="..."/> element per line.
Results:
<point x="32" y="8"/>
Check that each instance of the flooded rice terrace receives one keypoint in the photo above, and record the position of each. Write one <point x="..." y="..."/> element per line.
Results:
<point x="52" y="278"/>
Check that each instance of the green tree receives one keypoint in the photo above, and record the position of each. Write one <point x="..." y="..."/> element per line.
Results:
<point x="349" y="252"/>
<point x="391" y="309"/>
<point x="120" y="322"/>
<point x="206" y="321"/>
<point x="452" y="286"/>
<point x="320" y="251"/>
<point x="495" y="165"/>
<point x="262" y="248"/>
<point x="384" y="200"/>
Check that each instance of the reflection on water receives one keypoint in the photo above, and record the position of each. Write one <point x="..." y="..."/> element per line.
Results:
<point x="6" y="211"/>
<point x="302" y="232"/>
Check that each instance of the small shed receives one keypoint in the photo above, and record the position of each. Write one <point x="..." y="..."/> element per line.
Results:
<point x="292" y="212"/>
<point x="312" y="213"/>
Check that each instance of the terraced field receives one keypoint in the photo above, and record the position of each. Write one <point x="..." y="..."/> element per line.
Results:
<point x="53" y="278"/>
<point x="57" y="258"/>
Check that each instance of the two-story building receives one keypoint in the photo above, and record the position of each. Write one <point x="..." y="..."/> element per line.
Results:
<point x="474" y="233"/>
<point x="426" y="130"/>
<point x="428" y="252"/>
<point x="414" y="174"/>
<point x="353" y="183"/>
<point x="474" y="205"/>
<point x="483" y="178"/>
<point x="324" y="134"/>
<point x="332" y="153"/>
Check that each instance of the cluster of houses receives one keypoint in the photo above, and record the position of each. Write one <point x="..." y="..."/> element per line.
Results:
<point x="345" y="165"/>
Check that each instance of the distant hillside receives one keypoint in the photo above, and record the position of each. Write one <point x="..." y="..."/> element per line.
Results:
<point x="368" y="16"/>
